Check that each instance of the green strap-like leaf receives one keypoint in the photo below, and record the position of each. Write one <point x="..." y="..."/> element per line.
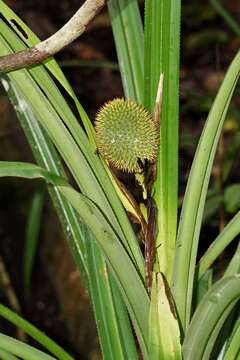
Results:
<point x="32" y="235"/>
<point x="209" y="318"/>
<point x="7" y="356"/>
<point x="201" y="288"/>
<point x="164" y="332"/>
<point x="106" y="314"/>
<point x="233" y="346"/>
<point x="129" y="281"/>
<point x="104" y="295"/>
<point x="128" y="35"/>
<point x="234" y="264"/>
<point x="228" y="234"/>
<point x="94" y="178"/>
<point x="73" y="228"/>
<point x="80" y="240"/>
<point x="35" y="333"/>
<point x="71" y="223"/>
<point x="22" y="350"/>
<point x="46" y="156"/>
<point x="194" y="199"/>
<point x="161" y="55"/>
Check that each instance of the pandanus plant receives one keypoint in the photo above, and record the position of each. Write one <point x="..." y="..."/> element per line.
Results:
<point x="156" y="303"/>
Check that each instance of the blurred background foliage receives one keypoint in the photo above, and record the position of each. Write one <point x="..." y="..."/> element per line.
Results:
<point x="56" y="300"/>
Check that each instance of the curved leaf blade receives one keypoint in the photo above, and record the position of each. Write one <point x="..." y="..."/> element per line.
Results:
<point x="233" y="346"/>
<point x="22" y="350"/>
<point x="161" y="56"/>
<point x="195" y="195"/>
<point x="79" y="240"/>
<point x="32" y="235"/>
<point x="128" y="279"/>
<point x="94" y="179"/>
<point x="231" y="230"/>
<point x="212" y="311"/>
<point x="128" y="35"/>
<point x="35" y="333"/>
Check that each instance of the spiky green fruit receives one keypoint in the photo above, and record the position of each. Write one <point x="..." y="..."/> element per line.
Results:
<point x="126" y="133"/>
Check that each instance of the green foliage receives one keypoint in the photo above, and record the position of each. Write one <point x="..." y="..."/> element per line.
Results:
<point x="164" y="332"/>
<point x="36" y="334"/>
<point x="80" y="240"/>
<point x="209" y="318"/>
<point x="32" y="235"/>
<point x="11" y="346"/>
<point x="161" y="55"/>
<point x="228" y="234"/>
<point x="188" y="310"/>
<point x="195" y="196"/>
<point x="128" y="35"/>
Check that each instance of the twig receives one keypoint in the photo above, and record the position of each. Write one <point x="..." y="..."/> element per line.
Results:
<point x="67" y="34"/>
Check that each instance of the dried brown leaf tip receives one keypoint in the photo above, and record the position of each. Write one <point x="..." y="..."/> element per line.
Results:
<point x="126" y="133"/>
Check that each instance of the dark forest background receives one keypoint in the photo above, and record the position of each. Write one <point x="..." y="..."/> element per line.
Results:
<point x="58" y="303"/>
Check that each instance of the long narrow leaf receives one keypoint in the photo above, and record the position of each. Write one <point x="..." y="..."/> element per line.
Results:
<point x="129" y="351"/>
<point x="161" y="55"/>
<point x="128" y="280"/>
<point x="194" y="200"/>
<point x="202" y="286"/>
<point x="36" y="334"/>
<point x="234" y="264"/>
<point x="57" y="73"/>
<point x="47" y="157"/>
<point x="22" y="350"/>
<point x="86" y="158"/>
<point x="164" y="332"/>
<point x="7" y="356"/>
<point x="228" y="234"/>
<point x="79" y="238"/>
<point x="233" y="346"/>
<point x="221" y="341"/>
<point x="32" y="235"/>
<point x="232" y="23"/>
<point x="128" y="36"/>
<point x="214" y="308"/>
<point x="110" y="319"/>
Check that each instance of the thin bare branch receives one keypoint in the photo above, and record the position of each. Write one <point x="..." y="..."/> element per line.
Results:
<point x="67" y="34"/>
